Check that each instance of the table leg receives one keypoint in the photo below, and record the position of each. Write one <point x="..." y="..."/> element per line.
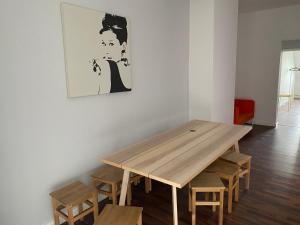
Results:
<point x="175" y="214"/>
<point x="237" y="147"/>
<point x="124" y="188"/>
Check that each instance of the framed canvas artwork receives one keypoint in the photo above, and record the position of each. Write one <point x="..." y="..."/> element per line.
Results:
<point x="97" y="51"/>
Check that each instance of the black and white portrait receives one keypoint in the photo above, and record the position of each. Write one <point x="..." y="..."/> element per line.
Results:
<point x="97" y="51"/>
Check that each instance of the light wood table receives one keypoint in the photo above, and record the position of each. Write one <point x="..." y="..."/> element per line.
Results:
<point x="178" y="155"/>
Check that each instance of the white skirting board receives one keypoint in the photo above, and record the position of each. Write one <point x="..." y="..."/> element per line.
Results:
<point x="51" y="223"/>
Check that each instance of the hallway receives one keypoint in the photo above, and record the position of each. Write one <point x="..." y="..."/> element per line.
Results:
<point x="290" y="118"/>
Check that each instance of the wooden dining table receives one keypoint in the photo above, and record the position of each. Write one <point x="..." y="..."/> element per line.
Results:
<point x="176" y="156"/>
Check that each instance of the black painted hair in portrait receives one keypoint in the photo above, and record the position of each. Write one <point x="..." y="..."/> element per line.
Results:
<point x="117" y="24"/>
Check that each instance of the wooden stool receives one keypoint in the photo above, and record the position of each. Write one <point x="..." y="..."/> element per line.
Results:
<point x="244" y="161"/>
<point x="112" y="177"/>
<point x="228" y="172"/>
<point x="206" y="183"/>
<point x="136" y="179"/>
<point x="120" y="215"/>
<point x="74" y="195"/>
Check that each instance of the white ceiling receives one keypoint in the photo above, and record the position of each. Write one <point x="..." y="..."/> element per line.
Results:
<point x="256" y="5"/>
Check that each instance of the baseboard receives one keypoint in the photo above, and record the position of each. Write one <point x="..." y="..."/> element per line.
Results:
<point x="265" y="124"/>
<point x="50" y="223"/>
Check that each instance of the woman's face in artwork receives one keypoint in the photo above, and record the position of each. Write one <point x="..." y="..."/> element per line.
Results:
<point x="111" y="47"/>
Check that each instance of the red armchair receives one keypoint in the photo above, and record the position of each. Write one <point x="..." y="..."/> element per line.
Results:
<point x="244" y="110"/>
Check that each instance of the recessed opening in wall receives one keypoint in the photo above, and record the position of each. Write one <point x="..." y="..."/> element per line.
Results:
<point x="288" y="106"/>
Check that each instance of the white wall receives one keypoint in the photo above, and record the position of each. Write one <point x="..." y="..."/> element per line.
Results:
<point x="259" y="46"/>
<point x="225" y="47"/>
<point x="48" y="140"/>
<point x="213" y="35"/>
<point x="201" y="58"/>
<point x="286" y="76"/>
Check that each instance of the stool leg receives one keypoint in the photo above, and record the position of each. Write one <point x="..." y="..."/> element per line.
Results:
<point x="129" y="194"/>
<point x="140" y="221"/>
<point x="95" y="204"/>
<point x="110" y="189"/>
<point x="70" y="215"/>
<point x="95" y="184"/>
<point x="237" y="189"/>
<point x="193" y="207"/>
<point x="56" y="217"/>
<point x="190" y="198"/>
<point x="214" y="199"/>
<point x="221" y="207"/>
<point x="206" y="196"/>
<point x="230" y="192"/>
<point x="80" y="209"/>
<point x="247" y="175"/>
<point x="114" y="193"/>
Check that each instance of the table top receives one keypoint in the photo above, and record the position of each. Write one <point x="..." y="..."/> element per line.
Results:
<point x="178" y="155"/>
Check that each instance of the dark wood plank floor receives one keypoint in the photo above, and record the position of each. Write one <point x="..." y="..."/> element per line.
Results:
<point x="274" y="197"/>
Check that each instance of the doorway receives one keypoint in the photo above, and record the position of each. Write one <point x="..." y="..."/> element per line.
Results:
<point x="289" y="89"/>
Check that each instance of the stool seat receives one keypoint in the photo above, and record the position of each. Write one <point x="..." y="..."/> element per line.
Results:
<point x="207" y="180"/>
<point x="111" y="174"/>
<point x="120" y="215"/>
<point x="73" y="194"/>
<point x="223" y="167"/>
<point x="108" y="174"/>
<point x="237" y="158"/>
